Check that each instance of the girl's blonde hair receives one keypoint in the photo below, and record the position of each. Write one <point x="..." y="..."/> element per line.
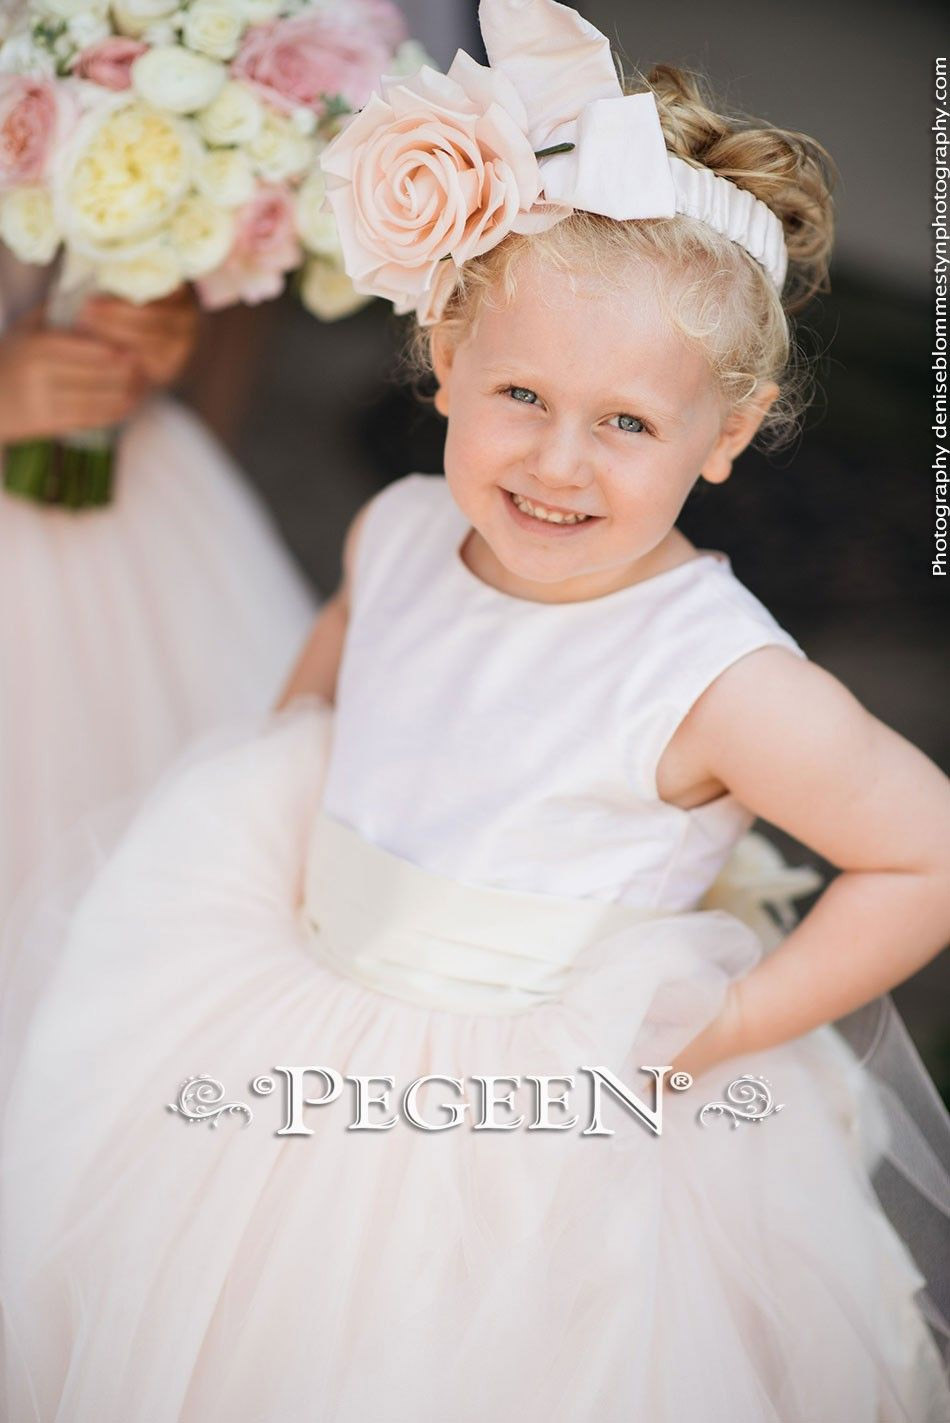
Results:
<point x="716" y="293"/>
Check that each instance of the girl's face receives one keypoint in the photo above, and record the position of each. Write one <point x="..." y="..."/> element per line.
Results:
<point x="586" y="403"/>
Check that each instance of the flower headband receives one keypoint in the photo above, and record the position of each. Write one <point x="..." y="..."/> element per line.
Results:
<point x="439" y="168"/>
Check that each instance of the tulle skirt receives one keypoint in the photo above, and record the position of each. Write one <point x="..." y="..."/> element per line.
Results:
<point x="125" y="631"/>
<point x="292" y="1262"/>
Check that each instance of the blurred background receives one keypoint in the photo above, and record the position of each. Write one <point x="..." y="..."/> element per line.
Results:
<point x="834" y="535"/>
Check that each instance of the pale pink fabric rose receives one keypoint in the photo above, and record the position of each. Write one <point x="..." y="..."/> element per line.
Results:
<point x="301" y="61"/>
<point x="32" y="119"/>
<point x="109" y="62"/>
<point x="439" y="166"/>
<point x="265" y="247"/>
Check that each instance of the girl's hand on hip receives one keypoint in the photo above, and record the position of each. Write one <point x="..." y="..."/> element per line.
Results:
<point x="53" y="382"/>
<point x="161" y="334"/>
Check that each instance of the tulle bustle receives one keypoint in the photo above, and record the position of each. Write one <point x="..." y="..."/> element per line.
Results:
<point x="907" y="1152"/>
<point x="901" y="1131"/>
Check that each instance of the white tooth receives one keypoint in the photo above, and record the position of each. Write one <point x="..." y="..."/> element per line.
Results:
<point x="550" y="516"/>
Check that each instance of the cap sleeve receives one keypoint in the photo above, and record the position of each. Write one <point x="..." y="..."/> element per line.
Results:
<point x="697" y="668"/>
<point x="397" y="521"/>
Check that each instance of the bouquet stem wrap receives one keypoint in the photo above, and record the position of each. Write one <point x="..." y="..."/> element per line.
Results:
<point x="74" y="470"/>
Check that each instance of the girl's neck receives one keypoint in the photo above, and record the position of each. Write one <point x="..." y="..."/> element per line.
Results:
<point x="479" y="559"/>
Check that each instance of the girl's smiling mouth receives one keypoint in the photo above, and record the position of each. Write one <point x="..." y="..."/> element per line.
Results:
<point x="530" y="514"/>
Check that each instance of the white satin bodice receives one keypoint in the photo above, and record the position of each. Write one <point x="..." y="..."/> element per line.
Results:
<point x="514" y="744"/>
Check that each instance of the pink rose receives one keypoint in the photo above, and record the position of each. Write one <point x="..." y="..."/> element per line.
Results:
<point x="109" y="62"/>
<point x="265" y="247"/>
<point x="300" y="61"/>
<point x="439" y="167"/>
<point x="32" y="115"/>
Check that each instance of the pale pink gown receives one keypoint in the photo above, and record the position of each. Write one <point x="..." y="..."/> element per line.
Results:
<point x="462" y="869"/>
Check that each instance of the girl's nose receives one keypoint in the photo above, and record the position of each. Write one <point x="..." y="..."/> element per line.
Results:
<point x="562" y="456"/>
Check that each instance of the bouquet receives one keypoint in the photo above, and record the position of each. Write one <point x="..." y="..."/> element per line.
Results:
<point x="147" y="143"/>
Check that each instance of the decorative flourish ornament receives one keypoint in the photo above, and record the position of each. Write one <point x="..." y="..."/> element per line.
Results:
<point x="750" y="1100"/>
<point x="200" y="1100"/>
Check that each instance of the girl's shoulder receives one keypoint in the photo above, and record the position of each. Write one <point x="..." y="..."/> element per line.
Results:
<point x="702" y="605"/>
<point x="700" y="622"/>
<point x="395" y="527"/>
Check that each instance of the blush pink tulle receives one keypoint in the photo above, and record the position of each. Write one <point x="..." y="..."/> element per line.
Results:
<point x="158" y="1272"/>
<point x="128" y="630"/>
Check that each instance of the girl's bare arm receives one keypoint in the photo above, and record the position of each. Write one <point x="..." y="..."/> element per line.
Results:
<point x="317" y="667"/>
<point x="797" y="748"/>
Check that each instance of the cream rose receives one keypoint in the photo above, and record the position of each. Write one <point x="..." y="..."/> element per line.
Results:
<point x="439" y="167"/>
<point x="86" y="30"/>
<point x="135" y="17"/>
<point x="121" y="176"/>
<point x="235" y="116"/>
<point x="214" y="27"/>
<point x="409" y="59"/>
<point x="201" y="235"/>
<point x="173" y="78"/>
<point x="28" y="226"/>
<point x="315" y="225"/>
<point x="75" y="9"/>
<point x="327" y="291"/>
<point x="280" y="150"/>
<point x="225" y="177"/>
<point x="152" y="274"/>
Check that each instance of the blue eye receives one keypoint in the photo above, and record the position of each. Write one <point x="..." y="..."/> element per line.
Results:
<point x="520" y="392"/>
<point x="631" y="427"/>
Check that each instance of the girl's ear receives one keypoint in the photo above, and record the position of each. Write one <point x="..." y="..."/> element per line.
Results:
<point x="443" y="353"/>
<point x="738" y="429"/>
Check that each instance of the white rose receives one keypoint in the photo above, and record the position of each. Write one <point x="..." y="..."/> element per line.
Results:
<point x="280" y="150"/>
<point x="235" y="116"/>
<point x="134" y="17"/>
<point x="327" y="291"/>
<point x="173" y="78"/>
<point x="19" y="55"/>
<point x="305" y="120"/>
<point x="27" y="224"/>
<point x="147" y="277"/>
<point x="85" y="30"/>
<point x="202" y="235"/>
<point x="316" y="228"/>
<point x="214" y="27"/>
<point x="409" y="59"/>
<point x="72" y="9"/>
<point x="225" y="177"/>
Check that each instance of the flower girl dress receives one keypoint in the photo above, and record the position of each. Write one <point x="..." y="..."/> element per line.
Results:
<point x="463" y="869"/>
<point x="127" y="630"/>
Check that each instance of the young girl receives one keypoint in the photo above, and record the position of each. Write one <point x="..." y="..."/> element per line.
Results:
<point x="124" y="631"/>
<point x="441" y="934"/>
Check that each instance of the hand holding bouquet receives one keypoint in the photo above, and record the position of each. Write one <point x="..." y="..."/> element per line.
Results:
<point x="154" y="143"/>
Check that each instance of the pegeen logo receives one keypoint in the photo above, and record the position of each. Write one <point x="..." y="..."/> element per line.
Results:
<point x="202" y="1099"/>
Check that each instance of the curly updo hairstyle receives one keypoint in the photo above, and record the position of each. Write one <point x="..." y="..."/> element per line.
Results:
<point x="716" y="294"/>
